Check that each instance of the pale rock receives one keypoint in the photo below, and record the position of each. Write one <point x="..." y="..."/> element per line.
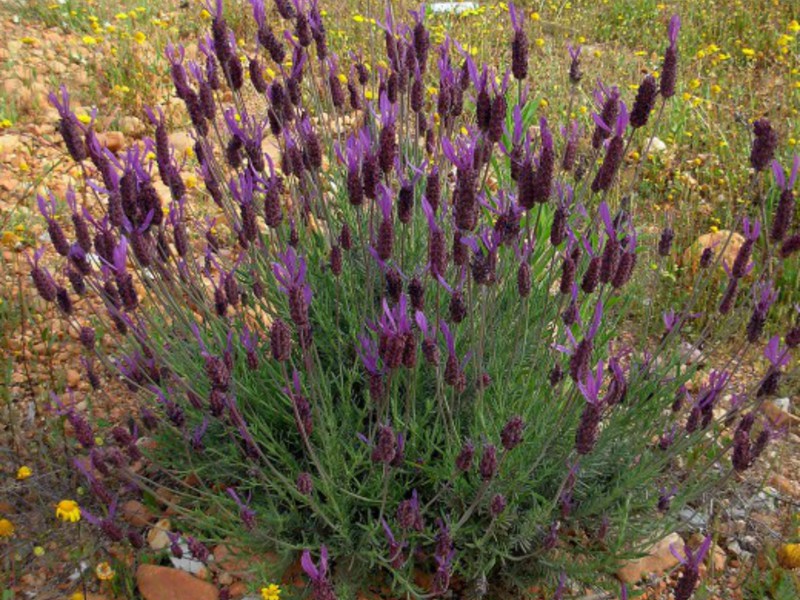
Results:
<point x="658" y="560"/>
<point x="132" y="126"/>
<point x="270" y="147"/>
<point x="113" y="140"/>
<point x="163" y="583"/>
<point x="656" y="145"/>
<point x="9" y="142"/>
<point x="73" y="378"/>
<point x="719" y="242"/>
<point x="181" y="141"/>
<point x="157" y="537"/>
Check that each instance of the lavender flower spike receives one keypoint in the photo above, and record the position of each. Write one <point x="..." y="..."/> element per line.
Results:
<point x="669" y="69"/>
<point x="68" y="126"/>
<point x="691" y="568"/>
<point x="590" y="386"/>
<point x="246" y="514"/>
<point x="784" y="212"/>
<point x="320" y="584"/>
<point x="519" y="43"/>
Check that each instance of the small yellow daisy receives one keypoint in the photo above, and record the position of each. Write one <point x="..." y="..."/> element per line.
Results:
<point x="104" y="571"/>
<point x="271" y="592"/>
<point x="68" y="510"/>
<point x="24" y="472"/>
<point x="7" y="528"/>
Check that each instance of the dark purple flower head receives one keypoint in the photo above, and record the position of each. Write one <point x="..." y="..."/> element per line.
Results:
<point x="784" y="211"/>
<point x="497" y="505"/>
<point x="519" y="44"/>
<point x="196" y="440"/>
<point x="385" y="447"/>
<point x="397" y="557"/>
<point x="765" y="141"/>
<point x="322" y="589"/>
<point x="83" y="430"/>
<point x="290" y="271"/>
<point x="511" y="435"/>
<point x="70" y="128"/>
<point x="773" y="353"/>
<point x="409" y="515"/>
<point x="465" y="456"/>
<point x="575" y="74"/>
<point x="246" y="514"/>
<point x="691" y="568"/>
<point x="669" y="68"/>
<point x="305" y="484"/>
<point x="488" y="465"/>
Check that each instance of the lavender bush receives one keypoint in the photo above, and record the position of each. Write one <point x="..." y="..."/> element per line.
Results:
<point x="406" y="349"/>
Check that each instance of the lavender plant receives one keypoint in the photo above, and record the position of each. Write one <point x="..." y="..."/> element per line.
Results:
<point x="405" y="348"/>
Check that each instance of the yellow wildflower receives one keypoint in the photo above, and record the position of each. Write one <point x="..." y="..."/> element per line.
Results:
<point x="104" y="571"/>
<point x="794" y="26"/>
<point x="535" y="16"/>
<point x="6" y="528"/>
<point x="748" y="52"/>
<point x="24" y="472"/>
<point x="540" y="42"/>
<point x="38" y="551"/>
<point x="789" y="556"/>
<point x="139" y="37"/>
<point x="68" y="510"/>
<point x="84" y="118"/>
<point x="30" y="41"/>
<point x="694" y="84"/>
<point x="121" y="16"/>
<point x="5" y="123"/>
<point x="271" y="592"/>
<point x="205" y="15"/>
<point x="716" y="89"/>
<point x="89" y="40"/>
<point x="9" y="239"/>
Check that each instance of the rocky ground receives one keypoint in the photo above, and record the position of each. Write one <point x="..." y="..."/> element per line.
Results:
<point x="48" y="559"/>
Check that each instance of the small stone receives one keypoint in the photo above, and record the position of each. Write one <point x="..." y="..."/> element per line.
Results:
<point x="132" y="126"/>
<point x="163" y="583"/>
<point x="693" y="519"/>
<point x="113" y="140"/>
<point x="181" y="141"/>
<point x="719" y="559"/>
<point x="779" y="416"/>
<point x="73" y="378"/>
<point x="659" y="559"/>
<point x="238" y="589"/>
<point x="785" y="486"/>
<point x="717" y="241"/>
<point x="157" y="537"/>
<point x="656" y="145"/>
<point x="135" y="513"/>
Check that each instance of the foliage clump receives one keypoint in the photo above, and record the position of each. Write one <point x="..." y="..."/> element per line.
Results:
<point x="404" y="347"/>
